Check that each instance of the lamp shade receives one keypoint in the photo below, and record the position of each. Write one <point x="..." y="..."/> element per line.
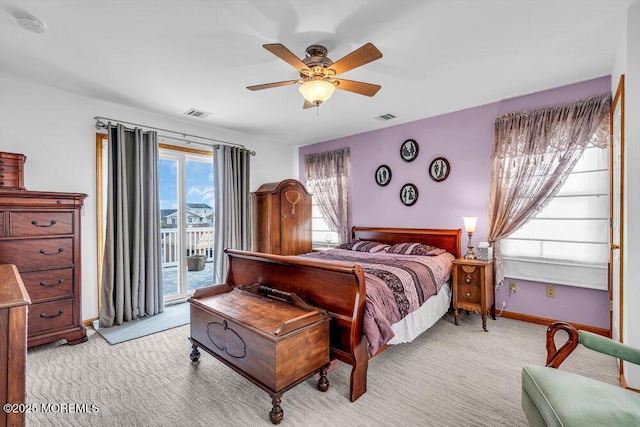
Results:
<point x="317" y="91"/>
<point x="470" y="223"/>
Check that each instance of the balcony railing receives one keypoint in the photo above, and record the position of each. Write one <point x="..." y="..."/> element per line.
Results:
<point x="199" y="242"/>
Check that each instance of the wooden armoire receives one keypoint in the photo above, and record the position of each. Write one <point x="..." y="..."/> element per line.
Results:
<point x="281" y="218"/>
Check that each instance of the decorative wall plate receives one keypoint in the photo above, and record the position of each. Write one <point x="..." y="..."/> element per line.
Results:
<point x="383" y="175"/>
<point x="408" y="194"/>
<point x="409" y="150"/>
<point x="439" y="169"/>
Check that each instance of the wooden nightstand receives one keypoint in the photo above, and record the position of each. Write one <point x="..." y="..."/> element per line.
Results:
<point x="473" y="288"/>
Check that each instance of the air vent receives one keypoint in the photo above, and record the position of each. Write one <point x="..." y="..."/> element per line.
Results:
<point x="32" y="24"/>
<point x="387" y="116"/>
<point x="197" y="113"/>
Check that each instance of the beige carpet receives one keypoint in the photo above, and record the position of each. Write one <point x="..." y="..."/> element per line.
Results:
<point x="450" y="376"/>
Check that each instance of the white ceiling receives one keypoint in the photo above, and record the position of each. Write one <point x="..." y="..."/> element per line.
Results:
<point x="439" y="56"/>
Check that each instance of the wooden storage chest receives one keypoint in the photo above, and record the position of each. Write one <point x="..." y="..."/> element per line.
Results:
<point x="272" y="338"/>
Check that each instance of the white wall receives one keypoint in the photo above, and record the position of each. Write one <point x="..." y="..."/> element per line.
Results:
<point x="55" y="130"/>
<point x="629" y="64"/>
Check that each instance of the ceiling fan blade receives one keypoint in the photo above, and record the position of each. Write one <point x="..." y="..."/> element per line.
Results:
<point x="270" y="85"/>
<point x="367" y="89"/>
<point x="358" y="57"/>
<point x="286" y="55"/>
<point x="308" y="104"/>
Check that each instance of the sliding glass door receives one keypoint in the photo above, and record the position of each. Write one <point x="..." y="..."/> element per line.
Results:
<point x="186" y="210"/>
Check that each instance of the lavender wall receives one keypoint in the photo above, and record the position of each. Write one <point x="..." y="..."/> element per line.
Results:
<point x="465" y="139"/>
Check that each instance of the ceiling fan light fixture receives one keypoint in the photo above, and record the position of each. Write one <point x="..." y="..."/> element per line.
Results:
<point x="317" y="91"/>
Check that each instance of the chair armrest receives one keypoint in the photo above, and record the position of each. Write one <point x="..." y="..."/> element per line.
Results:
<point x="608" y="346"/>
<point x="555" y="356"/>
<point x="592" y="341"/>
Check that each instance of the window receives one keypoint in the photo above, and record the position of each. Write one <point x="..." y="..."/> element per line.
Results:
<point x="567" y="242"/>
<point x="321" y="235"/>
<point x="327" y="176"/>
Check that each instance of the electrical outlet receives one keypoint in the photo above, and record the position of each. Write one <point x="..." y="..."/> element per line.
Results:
<point x="551" y="291"/>
<point x="513" y="287"/>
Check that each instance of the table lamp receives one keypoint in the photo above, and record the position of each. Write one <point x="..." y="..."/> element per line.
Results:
<point x="470" y="227"/>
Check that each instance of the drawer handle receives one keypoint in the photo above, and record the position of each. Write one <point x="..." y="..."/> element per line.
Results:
<point x="34" y="222"/>
<point x="44" y="316"/>
<point x="468" y="294"/>
<point x="468" y="279"/>
<point x="44" y="285"/>
<point x="1" y="175"/>
<point x="1" y="160"/>
<point x="1" y="182"/>
<point x="43" y="252"/>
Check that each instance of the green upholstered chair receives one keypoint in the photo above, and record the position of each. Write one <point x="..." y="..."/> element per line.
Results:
<point x="551" y="397"/>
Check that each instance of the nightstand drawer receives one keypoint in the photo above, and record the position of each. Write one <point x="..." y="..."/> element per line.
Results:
<point x="469" y="294"/>
<point x="469" y="274"/>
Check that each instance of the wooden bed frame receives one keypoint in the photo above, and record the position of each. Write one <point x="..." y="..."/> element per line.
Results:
<point x="337" y="288"/>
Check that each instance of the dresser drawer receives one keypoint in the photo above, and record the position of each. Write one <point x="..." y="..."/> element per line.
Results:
<point x="37" y="253"/>
<point x="24" y="224"/>
<point x="46" y="316"/>
<point x="49" y="284"/>
<point x="1" y="224"/>
<point x="8" y="160"/>
<point x="9" y="181"/>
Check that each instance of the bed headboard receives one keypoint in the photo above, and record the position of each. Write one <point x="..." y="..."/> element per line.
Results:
<point x="447" y="239"/>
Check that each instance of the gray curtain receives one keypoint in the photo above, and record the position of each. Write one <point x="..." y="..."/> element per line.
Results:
<point x="132" y="273"/>
<point x="533" y="154"/>
<point x="232" y="225"/>
<point x="328" y="180"/>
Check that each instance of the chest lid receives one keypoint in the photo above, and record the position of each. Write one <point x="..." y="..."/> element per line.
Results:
<point x="263" y="309"/>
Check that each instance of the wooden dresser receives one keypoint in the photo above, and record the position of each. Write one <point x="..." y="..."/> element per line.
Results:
<point x="40" y="235"/>
<point x="13" y="345"/>
<point x="281" y="218"/>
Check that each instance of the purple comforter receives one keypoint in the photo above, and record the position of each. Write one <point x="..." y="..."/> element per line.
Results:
<point x="396" y="285"/>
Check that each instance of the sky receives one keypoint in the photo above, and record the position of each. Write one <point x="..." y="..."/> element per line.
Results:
<point x="199" y="182"/>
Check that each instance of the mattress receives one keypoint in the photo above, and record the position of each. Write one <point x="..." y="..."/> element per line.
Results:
<point x="405" y="294"/>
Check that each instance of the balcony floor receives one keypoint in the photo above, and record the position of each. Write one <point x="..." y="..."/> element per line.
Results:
<point x="195" y="279"/>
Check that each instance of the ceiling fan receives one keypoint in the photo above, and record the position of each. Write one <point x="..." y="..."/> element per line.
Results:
<point x="318" y="73"/>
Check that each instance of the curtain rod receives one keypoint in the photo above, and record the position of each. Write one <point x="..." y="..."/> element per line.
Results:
<point x="101" y="124"/>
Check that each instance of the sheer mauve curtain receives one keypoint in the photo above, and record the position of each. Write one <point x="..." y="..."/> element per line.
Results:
<point x="232" y="225"/>
<point x="328" y="179"/>
<point x="132" y="273"/>
<point x="533" y="154"/>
